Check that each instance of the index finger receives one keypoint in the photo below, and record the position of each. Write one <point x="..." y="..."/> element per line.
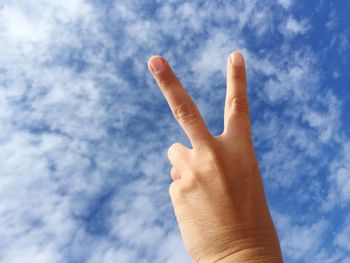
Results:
<point x="181" y="104"/>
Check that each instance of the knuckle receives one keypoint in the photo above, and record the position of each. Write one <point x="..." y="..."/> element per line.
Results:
<point x="186" y="112"/>
<point x="211" y="161"/>
<point x="239" y="104"/>
<point x="193" y="181"/>
<point x="172" y="149"/>
<point x="211" y="156"/>
<point x="168" y="82"/>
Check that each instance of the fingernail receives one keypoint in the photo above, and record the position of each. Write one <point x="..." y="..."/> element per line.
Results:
<point x="236" y="59"/>
<point x="157" y="64"/>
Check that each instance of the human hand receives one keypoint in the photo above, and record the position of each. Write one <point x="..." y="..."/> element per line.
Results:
<point x="217" y="190"/>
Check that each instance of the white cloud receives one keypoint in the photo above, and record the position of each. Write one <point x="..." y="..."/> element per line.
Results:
<point x="332" y="21"/>
<point x="82" y="122"/>
<point x="50" y="115"/>
<point x="286" y="4"/>
<point x="342" y="238"/>
<point x="16" y="25"/>
<point x="340" y="42"/>
<point x="293" y="91"/>
<point x="339" y="179"/>
<point x="294" y="27"/>
<point x="299" y="240"/>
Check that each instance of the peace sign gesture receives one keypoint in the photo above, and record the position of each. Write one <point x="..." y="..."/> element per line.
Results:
<point x="184" y="108"/>
<point x="217" y="192"/>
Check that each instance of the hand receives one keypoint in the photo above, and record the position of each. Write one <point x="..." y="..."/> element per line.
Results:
<point x="217" y="190"/>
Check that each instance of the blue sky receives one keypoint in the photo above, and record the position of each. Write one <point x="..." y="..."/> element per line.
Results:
<point x="84" y="128"/>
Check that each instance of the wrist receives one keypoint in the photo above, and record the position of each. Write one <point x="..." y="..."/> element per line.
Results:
<point x="254" y="246"/>
<point x="252" y="255"/>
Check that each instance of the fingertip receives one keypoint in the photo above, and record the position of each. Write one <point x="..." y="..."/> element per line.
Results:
<point x="236" y="59"/>
<point x="156" y="64"/>
<point x="153" y="57"/>
<point x="236" y="70"/>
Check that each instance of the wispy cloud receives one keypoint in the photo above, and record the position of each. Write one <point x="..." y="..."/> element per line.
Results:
<point x="84" y="129"/>
<point x="295" y="27"/>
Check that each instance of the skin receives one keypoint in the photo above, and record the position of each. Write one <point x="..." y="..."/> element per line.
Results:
<point x="217" y="190"/>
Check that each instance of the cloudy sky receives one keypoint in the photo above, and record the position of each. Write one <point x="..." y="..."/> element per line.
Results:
<point x="84" y="128"/>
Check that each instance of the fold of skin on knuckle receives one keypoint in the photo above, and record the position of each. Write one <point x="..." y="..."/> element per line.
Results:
<point x="191" y="178"/>
<point x="238" y="104"/>
<point x="207" y="168"/>
<point x="186" y="112"/>
<point x="190" y="182"/>
<point x="167" y="82"/>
